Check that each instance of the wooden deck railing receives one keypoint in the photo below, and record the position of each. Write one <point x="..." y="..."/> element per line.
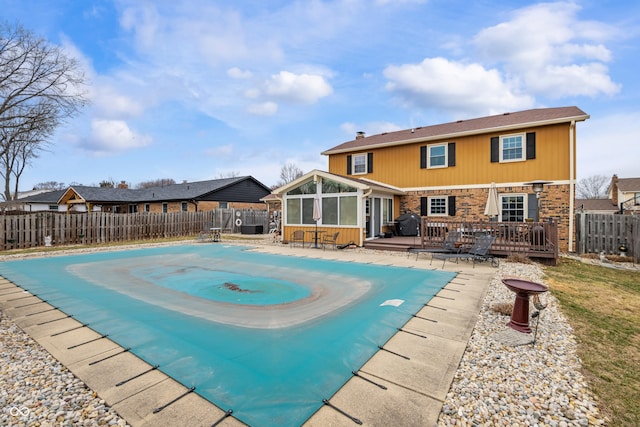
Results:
<point x="533" y="239"/>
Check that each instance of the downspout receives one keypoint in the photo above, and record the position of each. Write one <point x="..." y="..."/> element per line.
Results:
<point x="572" y="182"/>
<point x="364" y="196"/>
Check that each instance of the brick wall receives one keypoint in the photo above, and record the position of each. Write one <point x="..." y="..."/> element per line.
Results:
<point x="470" y="205"/>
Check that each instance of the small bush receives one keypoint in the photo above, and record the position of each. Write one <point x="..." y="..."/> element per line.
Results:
<point x="519" y="257"/>
<point x="505" y="308"/>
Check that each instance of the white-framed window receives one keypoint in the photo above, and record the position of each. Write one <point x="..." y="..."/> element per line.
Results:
<point x="133" y="208"/>
<point x="147" y="207"/>
<point x="437" y="156"/>
<point x="437" y="206"/>
<point x="223" y="205"/>
<point x="165" y="207"/>
<point x="513" y="207"/>
<point x="184" y="207"/>
<point x="387" y="210"/>
<point x="53" y="207"/>
<point x="636" y="199"/>
<point x="512" y="148"/>
<point x="359" y="163"/>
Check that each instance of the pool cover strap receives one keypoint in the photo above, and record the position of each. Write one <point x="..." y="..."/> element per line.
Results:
<point x="43" y="311"/>
<point x="368" y="380"/>
<point x="124" y="350"/>
<point x="153" y="368"/>
<point x="393" y="352"/>
<point x="87" y="342"/>
<point x="55" y="320"/>
<point x="352" y="418"/>
<point x="28" y="296"/>
<point x="424" y="318"/>
<point x="226" y="414"/>
<point x="160" y="408"/>
<point x="32" y="303"/>
<point x="412" y="333"/>
<point x="69" y="330"/>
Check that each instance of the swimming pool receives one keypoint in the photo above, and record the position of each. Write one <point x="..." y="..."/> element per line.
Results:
<point x="268" y="336"/>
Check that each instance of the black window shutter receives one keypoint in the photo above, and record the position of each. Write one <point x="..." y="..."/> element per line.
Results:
<point x="495" y="149"/>
<point x="349" y="164"/>
<point x="452" y="205"/>
<point x="531" y="145"/>
<point x="532" y="207"/>
<point x="423" y="157"/>
<point x="369" y="162"/>
<point x="452" y="154"/>
<point x="424" y="206"/>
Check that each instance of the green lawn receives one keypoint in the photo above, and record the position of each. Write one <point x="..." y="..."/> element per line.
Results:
<point x="603" y="306"/>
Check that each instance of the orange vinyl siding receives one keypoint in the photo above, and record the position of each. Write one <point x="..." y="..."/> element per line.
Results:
<point x="400" y="165"/>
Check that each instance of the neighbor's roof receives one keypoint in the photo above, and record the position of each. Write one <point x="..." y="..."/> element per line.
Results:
<point x="501" y="122"/>
<point x="629" y="184"/>
<point x="184" y="191"/>
<point x="596" y="205"/>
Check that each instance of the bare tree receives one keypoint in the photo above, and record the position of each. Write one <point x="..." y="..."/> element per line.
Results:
<point x="232" y="174"/>
<point x="593" y="187"/>
<point x="39" y="88"/>
<point x="156" y="183"/>
<point x="288" y="173"/>
<point x="50" y="185"/>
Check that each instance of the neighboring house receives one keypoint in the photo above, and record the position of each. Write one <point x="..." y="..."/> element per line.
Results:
<point x="447" y="170"/>
<point x="596" y="206"/>
<point x="624" y="194"/>
<point x="238" y="192"/>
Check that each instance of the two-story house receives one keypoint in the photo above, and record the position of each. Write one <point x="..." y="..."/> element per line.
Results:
<point x="445" y="170"/>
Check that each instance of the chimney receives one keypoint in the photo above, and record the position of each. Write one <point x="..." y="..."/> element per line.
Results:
<point x="614" y="190"/>
<point x="360" y="135"/>
<point x="123" y="184"/>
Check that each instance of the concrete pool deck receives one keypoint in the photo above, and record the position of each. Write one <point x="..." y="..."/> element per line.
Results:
<point x="416" y="366"/>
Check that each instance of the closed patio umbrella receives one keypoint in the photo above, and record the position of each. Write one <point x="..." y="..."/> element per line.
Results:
<point x="492" y="209"/>
<point x="317" y="215"/>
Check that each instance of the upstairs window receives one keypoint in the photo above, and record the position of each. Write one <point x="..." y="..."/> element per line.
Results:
<point x="511" y="148"/>
<point x="437" y="155"/>
<point x="359" y="164"/>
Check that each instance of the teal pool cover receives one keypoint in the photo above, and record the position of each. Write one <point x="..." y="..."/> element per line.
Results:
<point x="267" y="336"/>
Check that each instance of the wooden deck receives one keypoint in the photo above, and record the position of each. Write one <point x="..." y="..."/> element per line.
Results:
<point x="532" y="239"/>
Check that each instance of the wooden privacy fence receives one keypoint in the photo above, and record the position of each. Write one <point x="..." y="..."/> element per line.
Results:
<point x="43" y="228"/>
<point x="596" y="233"/>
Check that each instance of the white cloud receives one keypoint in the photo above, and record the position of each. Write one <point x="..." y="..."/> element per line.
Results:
<point x="108" y="102"/>
<point x="298" y="88"/>
<point x="237" y="73"/>
<point x="114" y="136"/>
<point x="551" y="51"/>
<point x="440" y="83"/>
<point x="263" y="109"/>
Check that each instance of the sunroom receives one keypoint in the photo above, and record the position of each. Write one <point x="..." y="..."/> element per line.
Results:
<point x="319" y="203"/>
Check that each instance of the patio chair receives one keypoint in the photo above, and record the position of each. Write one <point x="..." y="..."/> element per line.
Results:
<point x="478" y="252"/>
<point x="297" y="236"/>
<point x="448" y="246"/>
<point x="330" y="239"/>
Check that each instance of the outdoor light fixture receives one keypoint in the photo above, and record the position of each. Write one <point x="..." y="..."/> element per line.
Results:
<point x="538" y="186"/>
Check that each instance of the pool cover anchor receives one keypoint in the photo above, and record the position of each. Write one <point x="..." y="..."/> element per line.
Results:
<point x="352" y="418"/>
<point x="123" y="382"/>
<point x="356" y="374"/>
<point x="160" y="408"/>
<point x="226" y="414"/>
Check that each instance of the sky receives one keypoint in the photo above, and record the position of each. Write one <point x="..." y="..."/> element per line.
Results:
<point x="194" y="90"/>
